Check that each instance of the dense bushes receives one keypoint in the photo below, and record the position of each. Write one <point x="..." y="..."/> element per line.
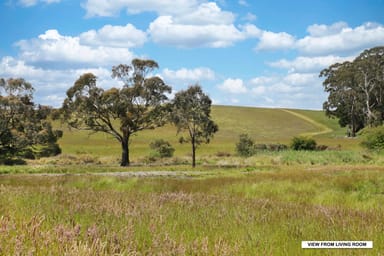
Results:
<point x="246" y="146"/>
<point x="303" y="143"/>
<point x="373" y="138"/>
<point x="162" y="148"/>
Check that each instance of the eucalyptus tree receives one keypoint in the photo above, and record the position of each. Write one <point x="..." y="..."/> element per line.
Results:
<point x="24" y="126"/>
<point x="356" y="90"/>
<point x="191" y="112"/>
<point x="138" y="105"/>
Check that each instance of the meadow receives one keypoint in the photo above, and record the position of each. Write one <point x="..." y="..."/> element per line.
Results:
<point x="83" y="203"/>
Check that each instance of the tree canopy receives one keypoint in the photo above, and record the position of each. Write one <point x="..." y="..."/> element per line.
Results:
<point x="191" y="112"/>
<point x="120" y="112"/>
<point x="24" y="128"/>
<point x="356" y="90"/>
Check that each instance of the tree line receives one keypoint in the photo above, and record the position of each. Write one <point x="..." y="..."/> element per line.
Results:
<point x="140" y="104"/>
<point x="356" y="90"/>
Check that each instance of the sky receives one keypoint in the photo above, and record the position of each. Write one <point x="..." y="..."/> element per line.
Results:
<point x="260" y="53"/>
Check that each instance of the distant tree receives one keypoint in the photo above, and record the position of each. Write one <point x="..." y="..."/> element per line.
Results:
<point x="137" y="106"/>
<point x="356" y="90"/>
<point x="191" y="112"/>
<point x="24" y="128"/>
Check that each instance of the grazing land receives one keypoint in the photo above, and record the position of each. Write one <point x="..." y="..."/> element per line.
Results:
<point x="82" y="203"/>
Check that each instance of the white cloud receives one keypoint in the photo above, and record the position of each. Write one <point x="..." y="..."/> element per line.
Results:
<point x="51" y="84"/>
<point x="250" y="17"/>
<point x="339" y="38"/>
<point x="164" y="7"/>
<point x="206" y="13"/>
<point x="324" y="30"/>
<point x="234" y="86"/>
<point x="165" y="31"/>
<point x="54" y="49"/>
<point x="309" y="64"/>
<point x="275" y="41"/>
<point x="114" y="36"/>
<point x="29" y="3"/>
<point x="189" y="75"/>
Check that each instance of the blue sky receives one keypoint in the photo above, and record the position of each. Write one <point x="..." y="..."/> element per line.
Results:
<point x="249" y="53"/>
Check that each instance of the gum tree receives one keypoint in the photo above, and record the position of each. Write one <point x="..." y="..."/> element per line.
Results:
<point x="191" y="112"/>
<point x="137" y="106"/>
<point x="24" y="127"/>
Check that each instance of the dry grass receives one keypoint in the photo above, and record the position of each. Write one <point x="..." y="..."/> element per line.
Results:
<point x="255" y="213"/>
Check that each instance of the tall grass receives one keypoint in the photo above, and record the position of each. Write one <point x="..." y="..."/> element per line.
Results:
<point x="256" y="213"/>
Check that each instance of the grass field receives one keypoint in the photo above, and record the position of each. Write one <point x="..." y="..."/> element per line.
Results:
<point x="83" y="203"/>
<point x="249" y="212"/>
<point x="263" y="125"/>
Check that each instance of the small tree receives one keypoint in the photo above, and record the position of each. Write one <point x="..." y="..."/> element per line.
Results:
<point x="191" y="111"/>
<point x="162" y="148"/>
<point x="138" y="105"/>
<point x="245" y="146"/>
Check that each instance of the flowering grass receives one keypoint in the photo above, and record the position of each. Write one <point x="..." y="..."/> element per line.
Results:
<point x="255" y="212"/>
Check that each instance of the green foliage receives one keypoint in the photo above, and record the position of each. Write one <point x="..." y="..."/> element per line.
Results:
<point x="303" y="143"/>
<point x="162" y="148"/>
<point x="191" y="111"/>
<point x="245" y="146"/>
<point x="373" y="138"/>
<point x="355" y="90"/>
<point x="138" y="105"/>
<point x="23" y="125"/>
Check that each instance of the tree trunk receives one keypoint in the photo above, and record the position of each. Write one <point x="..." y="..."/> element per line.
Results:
<point x="125" y="152"/>
<point x="193" y="153"/>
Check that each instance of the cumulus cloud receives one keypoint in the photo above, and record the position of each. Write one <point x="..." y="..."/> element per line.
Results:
<point x="233" y="86"/>
<point x="275" y="41"/>
<point x="51" y="84"/>
<point x="206" y="13"/>
<point x="339" y="38"/>
<point x="189" y="75"/>
<point x="165" y="31"/>
<point x="114" y="36"/>
<point x="309" y="64"/>
<point x="54" y="49"/>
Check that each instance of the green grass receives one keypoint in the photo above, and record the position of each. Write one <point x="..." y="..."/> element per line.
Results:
<point x="263" y="125"/>
<point x="83" y="203"/>
<point x="259" y="212"/>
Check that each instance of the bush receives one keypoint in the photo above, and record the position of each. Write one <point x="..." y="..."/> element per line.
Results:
<point x="162" y="148"/>
<point x="303" y="143"/>
<point x="373" y="138"/>
<point x="245" y="146"/>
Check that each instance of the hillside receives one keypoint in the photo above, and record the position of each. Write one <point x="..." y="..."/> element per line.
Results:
<point x="262" y="124"/>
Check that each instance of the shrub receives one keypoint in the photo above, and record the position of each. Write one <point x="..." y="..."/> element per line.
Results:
<point x="373" y="138"/>
<point x="303" y="143"/>
<point x="162" y="148"/>
<point x="245" y="146"/>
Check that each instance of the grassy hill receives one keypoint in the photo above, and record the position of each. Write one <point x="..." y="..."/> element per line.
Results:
<point x="262" y="124"/>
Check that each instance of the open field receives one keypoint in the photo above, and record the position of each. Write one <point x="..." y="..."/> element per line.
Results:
<point x="259" y="211"/>
<point x="83" y="203"/>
